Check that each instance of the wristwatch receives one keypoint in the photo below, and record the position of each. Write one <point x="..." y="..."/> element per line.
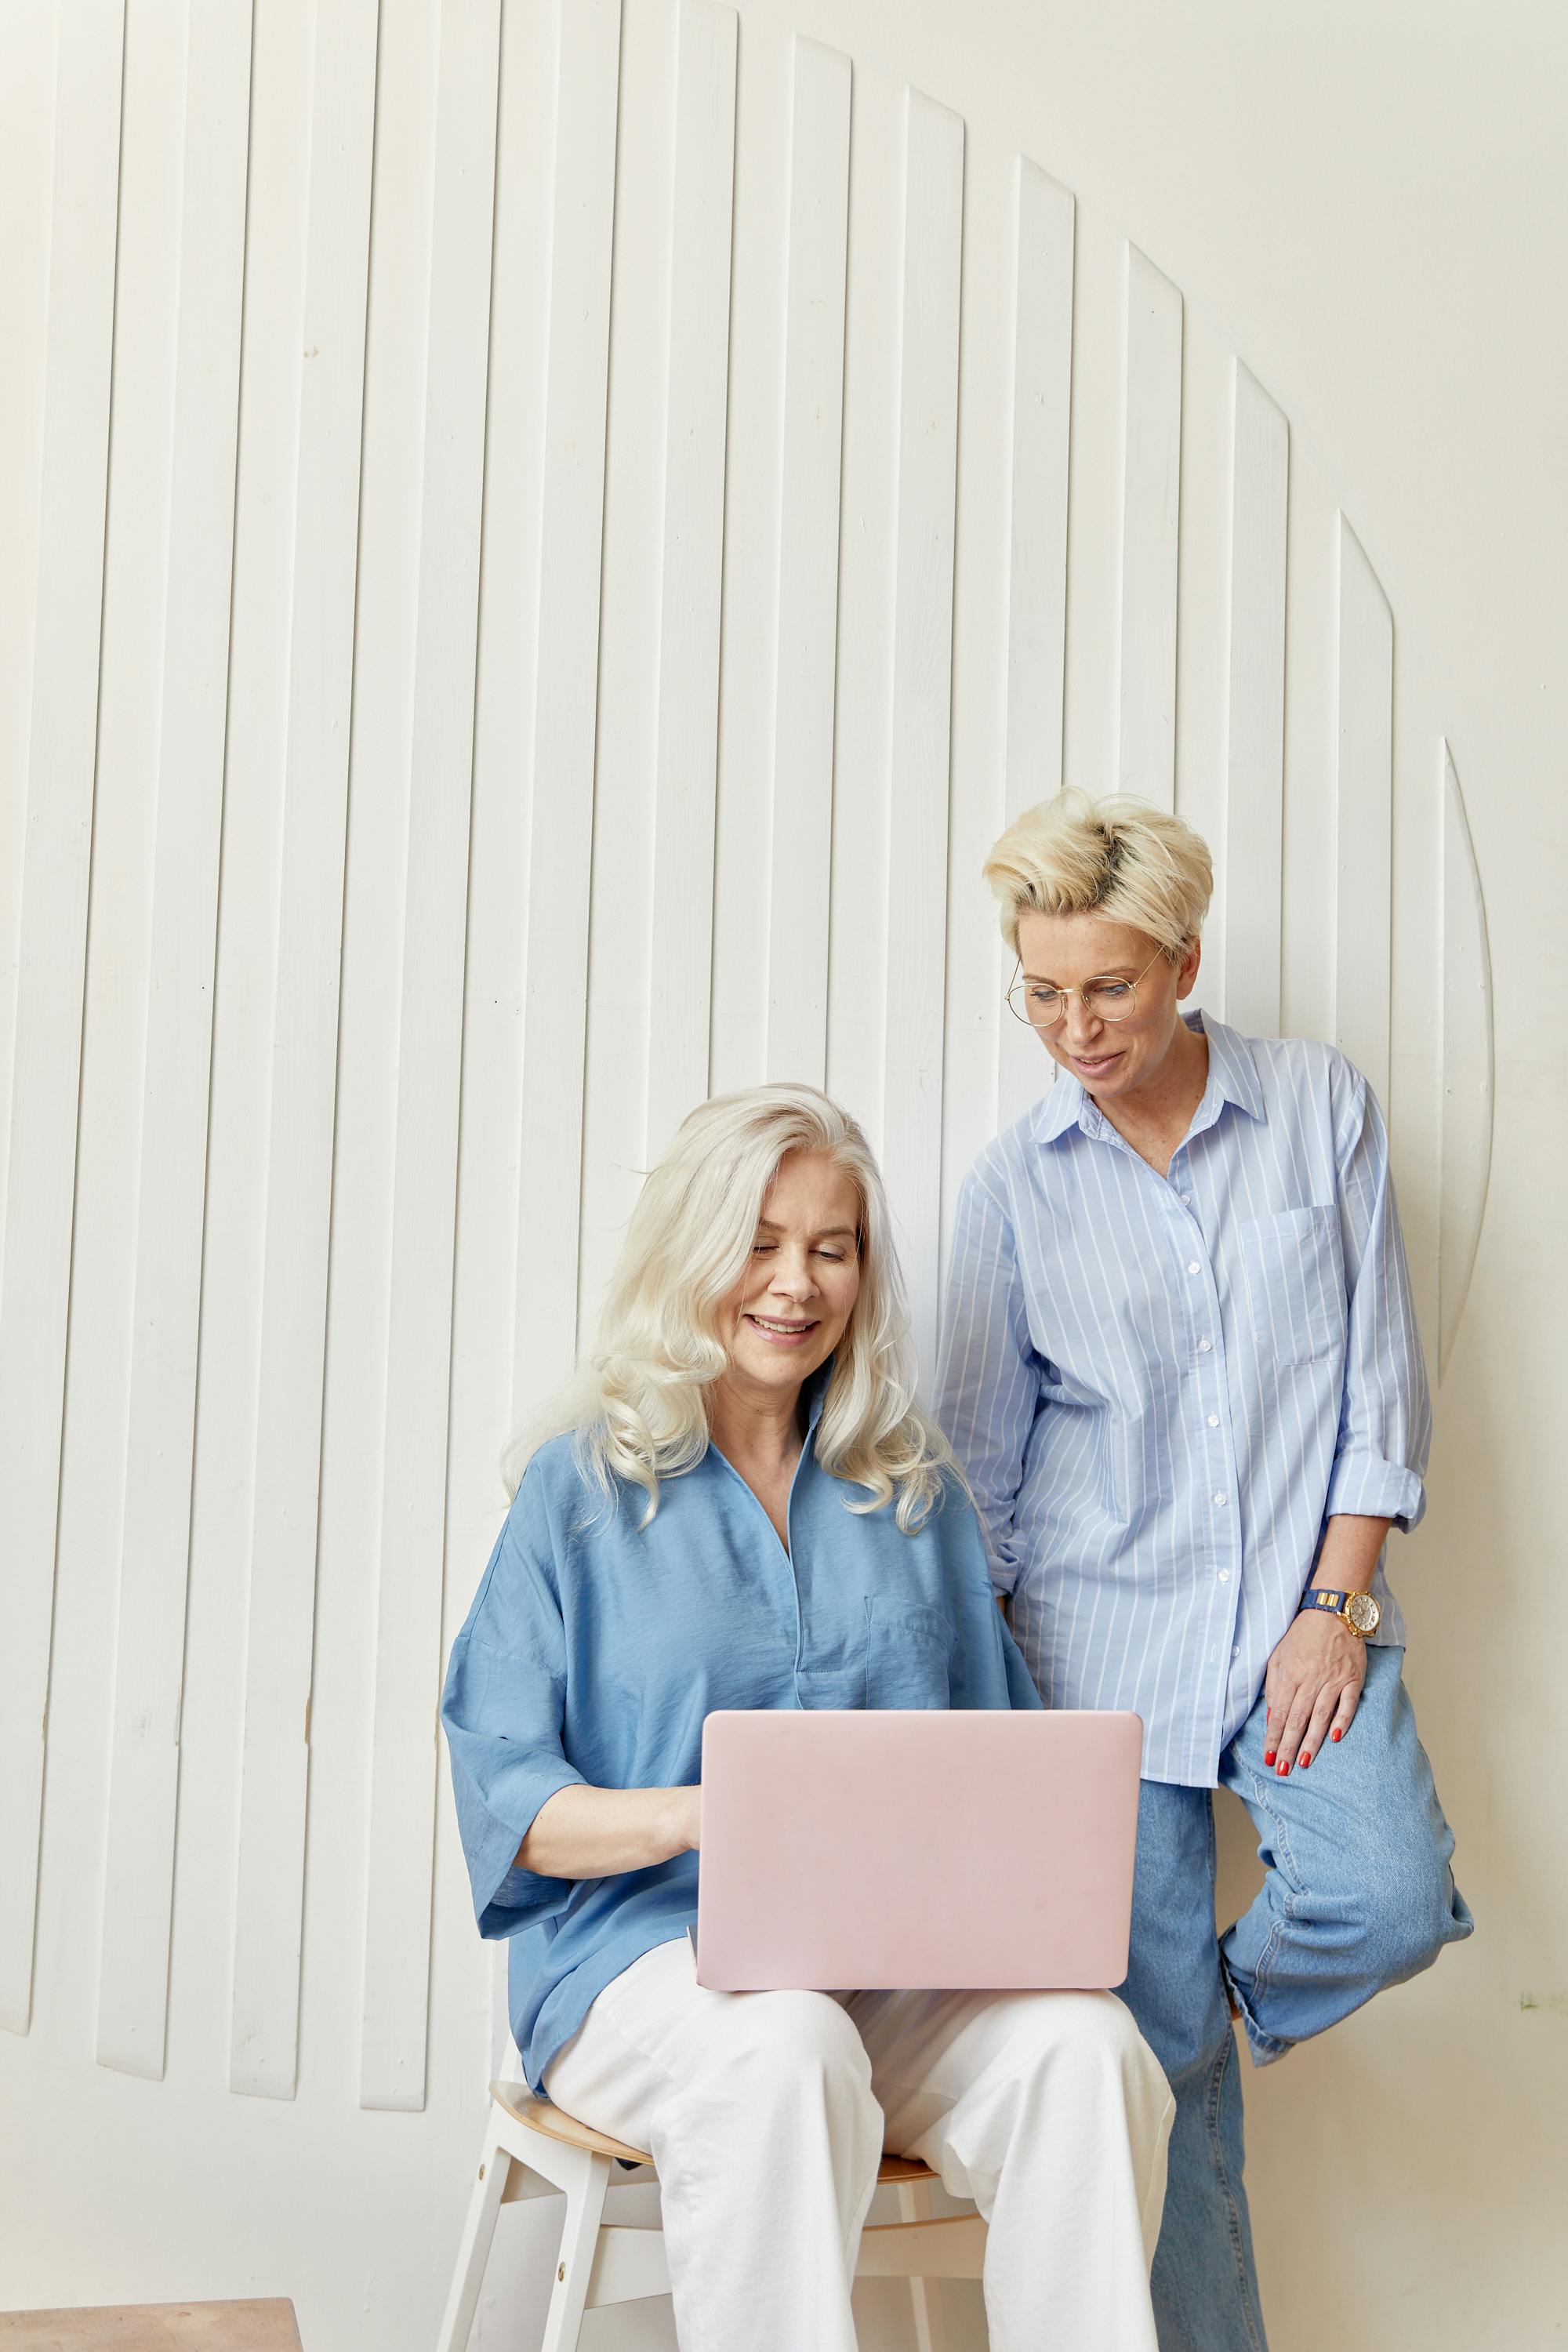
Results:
<point x="1359" y="1611"/>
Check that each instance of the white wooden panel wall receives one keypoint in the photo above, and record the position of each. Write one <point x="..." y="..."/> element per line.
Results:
<point x="1255" y="766"/>
<point x="1037" y="543"/>
<point x="467" y="555"/>
<point x="686" y="780"/>
<point x="1150" y="523"/>
<point x="319" y="691"/>
<point x="566" y="689"/>
<point x="51" y="945"/>
<point x="430" y="1038"/>
<point x="143" y="1785"/>
<point x="1468" y="1062"/>
<point x="922" y="688"/>
<point x="805" y="666"/>
<point x="1364" y="814"/>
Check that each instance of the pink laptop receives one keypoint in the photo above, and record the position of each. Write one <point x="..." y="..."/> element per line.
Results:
<point x="849" y="1850"/>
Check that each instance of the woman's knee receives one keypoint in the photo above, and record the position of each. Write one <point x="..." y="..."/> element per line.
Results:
<point x="781" y="2042"/>
<point x="1410" y="1914"/>
<point x="1086" y="2032"/>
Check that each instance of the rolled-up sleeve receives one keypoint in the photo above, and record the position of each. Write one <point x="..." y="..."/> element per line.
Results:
<point x="1385" y="1415"/>
<point x="502" y="1711"/>
<point x="988" y="1380"/>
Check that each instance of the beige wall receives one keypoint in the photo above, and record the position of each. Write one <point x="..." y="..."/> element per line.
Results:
<point x="305" y="798"/>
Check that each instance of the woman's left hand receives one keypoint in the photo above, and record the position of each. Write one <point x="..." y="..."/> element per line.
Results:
<point x="1311" y="1687"/>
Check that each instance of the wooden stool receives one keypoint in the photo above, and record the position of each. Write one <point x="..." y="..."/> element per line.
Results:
<point x="532" y="2149"/>
<point x="154" y="2328"/>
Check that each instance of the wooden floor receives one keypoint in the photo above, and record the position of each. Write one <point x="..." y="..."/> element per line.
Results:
<point x="154" y="2328"/>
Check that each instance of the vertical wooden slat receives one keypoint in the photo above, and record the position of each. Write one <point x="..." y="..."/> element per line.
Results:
<point x="561" y="834"/>
<point x="858" y="946"/>
<point x="1151" y="522"/>
<point x="1038" y="539"/>
<point x="1363" y="815"/>
<point x="269" y="1892"/>
<point x="681" y="946"/>
<point x="489" y="1125"/>
<point x="144" y="1749"/>
<point x="413" y="1521"/>
<point x="28" y="48"/>
<point x="1469" y="1073"/>
<point x="34" y="1272"/>
<point x="921" y="697"/>
<point x="1037" y="551"/>
<point x="805" y="672"/>
<point x="1254" y="766"/>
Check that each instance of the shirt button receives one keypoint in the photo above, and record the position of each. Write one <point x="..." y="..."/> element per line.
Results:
<point x="1237" y="1652"/>
<point x="1192" y="1266"/>
<point x="1222" y="1498"/>
<point x="1225" y="1576"/>
<point x="1213" y="1421"/>
<point x="1188" y="1199"/>
<point x="1203" y="1346"/>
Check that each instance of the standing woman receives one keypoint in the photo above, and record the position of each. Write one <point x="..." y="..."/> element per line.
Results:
<point x="1182" y="1371"/>
<point x="744" y="1507"/>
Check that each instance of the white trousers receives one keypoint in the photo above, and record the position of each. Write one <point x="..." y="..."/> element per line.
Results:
<point x="767" y="2114"/>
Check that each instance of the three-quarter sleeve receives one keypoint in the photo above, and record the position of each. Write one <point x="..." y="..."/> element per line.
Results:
<point x="502" y="1711"/>
<point x="1386" y="1416"/>
<point x="988" y="1379"/>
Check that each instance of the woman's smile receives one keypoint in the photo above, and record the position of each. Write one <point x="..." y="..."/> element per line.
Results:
<point x="778" y="1333"/>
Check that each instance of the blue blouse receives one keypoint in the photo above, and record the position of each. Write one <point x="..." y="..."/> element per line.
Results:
<point x="594" y="1650"/>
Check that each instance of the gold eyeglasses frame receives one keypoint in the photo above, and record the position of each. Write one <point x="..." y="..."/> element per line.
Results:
<point x="1018" y="981"/>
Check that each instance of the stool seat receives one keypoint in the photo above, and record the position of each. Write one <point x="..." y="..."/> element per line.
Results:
<point x="541" y="2115"/>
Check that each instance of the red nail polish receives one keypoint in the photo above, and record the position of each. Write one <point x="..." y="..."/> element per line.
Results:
<point x="1269" y="1753"/>
<point x="1338" y="1733"/>
<point x="1306" y="1759"/>
<point x="1284" y="1770"/>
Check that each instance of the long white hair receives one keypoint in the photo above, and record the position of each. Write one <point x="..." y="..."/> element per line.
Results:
<point x="638" y="1406"/>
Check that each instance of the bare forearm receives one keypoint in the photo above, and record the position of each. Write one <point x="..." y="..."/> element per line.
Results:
<point x="582" y="1832"/>
<point x="1350" y="1552"/>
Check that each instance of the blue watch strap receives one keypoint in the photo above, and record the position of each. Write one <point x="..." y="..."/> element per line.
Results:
<point x="1320" y="1597"/>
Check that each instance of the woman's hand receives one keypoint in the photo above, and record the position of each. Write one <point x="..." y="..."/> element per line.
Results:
<point x="1312" y="1688"/>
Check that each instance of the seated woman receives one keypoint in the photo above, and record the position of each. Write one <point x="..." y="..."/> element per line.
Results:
<point x="740" y="1483"/>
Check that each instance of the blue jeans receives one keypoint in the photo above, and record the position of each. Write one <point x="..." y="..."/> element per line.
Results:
<point x="1359" y="1895"/>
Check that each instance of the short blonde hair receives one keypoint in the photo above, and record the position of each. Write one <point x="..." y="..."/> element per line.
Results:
<point x="638" y="1406"/>
<point x="1117" y="858"/>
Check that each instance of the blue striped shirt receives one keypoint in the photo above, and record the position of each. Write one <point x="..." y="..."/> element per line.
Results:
<point x="1161" y="1388"/>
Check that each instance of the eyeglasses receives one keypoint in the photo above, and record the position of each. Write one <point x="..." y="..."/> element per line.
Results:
<point x="1043" y="1007"/>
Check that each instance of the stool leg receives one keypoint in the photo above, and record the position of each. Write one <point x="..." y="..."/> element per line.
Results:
<point x="925" y="2295"/>
<point x="584" y="2185"/>
<point x="473" y="2251"/>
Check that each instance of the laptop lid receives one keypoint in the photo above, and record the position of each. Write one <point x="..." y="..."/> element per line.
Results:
<point x="861" y="1849"/>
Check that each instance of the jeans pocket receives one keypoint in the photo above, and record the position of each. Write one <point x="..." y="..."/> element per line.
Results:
<point x="1295" y="1285"/>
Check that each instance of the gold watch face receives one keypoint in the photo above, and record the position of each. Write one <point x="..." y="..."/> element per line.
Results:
<point x="1361" y="1614"/>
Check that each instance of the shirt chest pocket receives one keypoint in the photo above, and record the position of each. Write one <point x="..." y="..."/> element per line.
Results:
<point x="1295" y="1285"/>
<point x="908" y="1648"/>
